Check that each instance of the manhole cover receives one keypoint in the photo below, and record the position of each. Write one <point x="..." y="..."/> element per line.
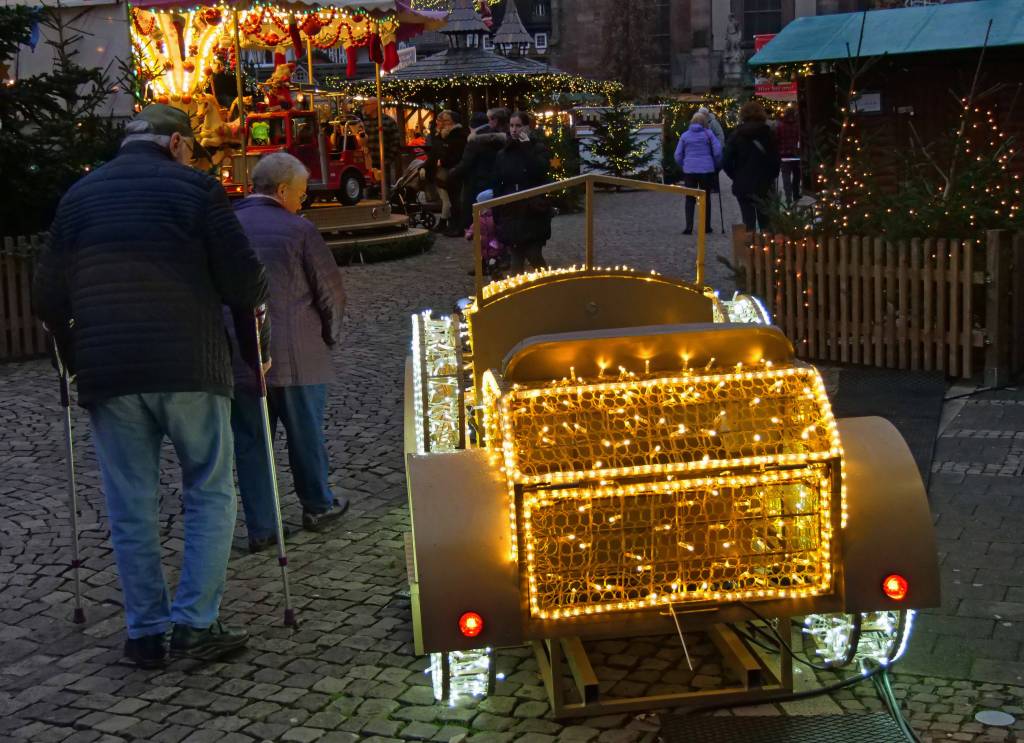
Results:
<point x="995" y="718"/>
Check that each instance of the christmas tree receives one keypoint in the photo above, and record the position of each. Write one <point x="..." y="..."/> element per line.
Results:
<point x="614" y="146"/>
<point x="53" y="126"/>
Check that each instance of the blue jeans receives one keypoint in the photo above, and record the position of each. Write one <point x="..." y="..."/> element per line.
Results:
<point x="301" y="410"/>
<point x="127" y="432"/>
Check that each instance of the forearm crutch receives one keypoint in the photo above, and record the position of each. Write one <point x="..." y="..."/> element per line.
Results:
<point x="282" y="555"/>
<point x="69" y="455"/>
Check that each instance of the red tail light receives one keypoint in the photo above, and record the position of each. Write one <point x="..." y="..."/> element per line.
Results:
<point x="895" y="587"/>
<point x="471" y="624"/>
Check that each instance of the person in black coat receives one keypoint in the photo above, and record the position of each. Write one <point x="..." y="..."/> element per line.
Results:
<point x="446" y="148"/>
<point x="751" y="160"/>
<point x="524" y="226"/>
<point x="475" y="170"/>
<point x="143" y="254"/>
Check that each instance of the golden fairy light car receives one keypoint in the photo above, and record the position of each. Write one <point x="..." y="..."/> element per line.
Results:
<point x="603" y="453"/>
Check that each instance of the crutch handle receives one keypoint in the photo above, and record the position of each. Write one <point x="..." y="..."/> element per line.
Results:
<point x="259" y="318"/>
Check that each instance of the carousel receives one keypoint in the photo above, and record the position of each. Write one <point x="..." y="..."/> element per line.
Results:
<point x="189" y="56"/>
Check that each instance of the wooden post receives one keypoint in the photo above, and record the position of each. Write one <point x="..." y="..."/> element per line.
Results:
<point x="999" y="252"/>
<point x="588" y="237"/>
<point x="241" y="107"/>
<point x="380" y="136"/>
<point x="312" y="87"/>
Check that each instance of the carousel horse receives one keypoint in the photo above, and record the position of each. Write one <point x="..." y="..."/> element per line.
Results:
<point x="214" y="132"/>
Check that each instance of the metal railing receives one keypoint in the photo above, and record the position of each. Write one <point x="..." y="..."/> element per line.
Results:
<point x="588" y="181"/>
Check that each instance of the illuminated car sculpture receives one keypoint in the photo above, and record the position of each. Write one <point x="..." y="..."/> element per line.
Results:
<point x="601" y="453"/>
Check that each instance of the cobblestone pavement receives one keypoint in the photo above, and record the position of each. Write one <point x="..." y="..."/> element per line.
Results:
<point x="349" y="671"/>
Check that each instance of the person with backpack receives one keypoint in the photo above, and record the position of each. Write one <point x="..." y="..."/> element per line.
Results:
<point x="698" y="154"/>
<point x="751" y="160"/>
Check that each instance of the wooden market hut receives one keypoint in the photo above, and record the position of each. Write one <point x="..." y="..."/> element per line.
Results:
<point x="917" y="63"/>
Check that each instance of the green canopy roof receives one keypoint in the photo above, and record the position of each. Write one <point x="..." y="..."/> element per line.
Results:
<point x="930" y="28"/>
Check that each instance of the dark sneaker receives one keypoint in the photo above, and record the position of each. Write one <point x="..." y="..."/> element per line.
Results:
<point x="147" y="652"/>
<point x="265" y="543"/>
<point x="206" y="644"/>
<point x="321" y="521"/>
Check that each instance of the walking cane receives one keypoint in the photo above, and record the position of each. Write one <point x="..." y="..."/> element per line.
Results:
<point x="69" y="454"/>
<point x="282" y="555"/>
<point x="721" y="214"/>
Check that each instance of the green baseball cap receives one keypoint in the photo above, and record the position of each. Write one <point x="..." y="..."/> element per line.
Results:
<point x="165" y="120"/>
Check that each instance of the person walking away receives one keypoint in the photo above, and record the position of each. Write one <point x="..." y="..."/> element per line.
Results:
<point x="475" y="171"/>
<point x="446" y="150"/>
<point x="698" y="154"/>
<point x="524" y="226"/>
<point x="143" y="254"/>
<point x="751" y="160"/>
<point x="392" y="139"/>
<point x="307" y="303"/>
<point x="788" y="135"/>
<point x="713" y="123"/>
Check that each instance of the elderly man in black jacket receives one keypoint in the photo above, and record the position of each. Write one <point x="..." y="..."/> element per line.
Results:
<point x="143" y="254"/>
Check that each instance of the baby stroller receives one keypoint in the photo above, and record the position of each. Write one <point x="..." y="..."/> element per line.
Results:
<point x="409" y="194"/>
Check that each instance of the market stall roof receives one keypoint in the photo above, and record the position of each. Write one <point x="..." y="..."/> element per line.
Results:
<point x="452" y="63"/>
<point x="929" y="28"/>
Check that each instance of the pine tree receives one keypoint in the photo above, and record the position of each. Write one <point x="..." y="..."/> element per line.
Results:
<point x="615" y="147"/>
<point x="54" y="129"/>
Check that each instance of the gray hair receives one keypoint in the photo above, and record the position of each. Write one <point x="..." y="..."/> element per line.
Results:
<point x="699" y="118"/>
<point x="139" y="131"/>
<point x="274" y="169"/>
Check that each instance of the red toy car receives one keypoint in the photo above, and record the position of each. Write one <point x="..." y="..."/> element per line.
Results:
<point x="335" y="153"/>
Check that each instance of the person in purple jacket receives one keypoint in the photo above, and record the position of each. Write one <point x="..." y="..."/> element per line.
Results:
<point x="307" y="302"/>
<point x="698" y="154"/>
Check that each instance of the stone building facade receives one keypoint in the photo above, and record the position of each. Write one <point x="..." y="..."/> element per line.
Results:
<point x="687" y="38"/>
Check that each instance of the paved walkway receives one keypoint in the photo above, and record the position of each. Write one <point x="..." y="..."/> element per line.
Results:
<point x="349" y="671"/>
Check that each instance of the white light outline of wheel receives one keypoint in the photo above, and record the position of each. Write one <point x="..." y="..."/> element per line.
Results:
<point x="837" y="640"/>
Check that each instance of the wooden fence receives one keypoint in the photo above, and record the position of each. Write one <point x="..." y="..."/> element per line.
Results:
<point x="955" y="306"/>
<point x="21" y="335"/>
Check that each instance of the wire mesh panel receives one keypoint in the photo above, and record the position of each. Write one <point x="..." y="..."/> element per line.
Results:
<point x="617" y="547"/>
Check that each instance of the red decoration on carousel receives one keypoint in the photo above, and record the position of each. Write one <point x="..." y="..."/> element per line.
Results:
<point x="376" y="50"/>
<point x="312" y="25"/>
<point x="351" y="58"/>
<point x="293" y="33"/>
<point x="213" y="16"/>
<point x="390" y="56"/>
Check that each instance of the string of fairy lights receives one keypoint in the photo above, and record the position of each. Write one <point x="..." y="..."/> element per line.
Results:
<point x="545" y="86"/>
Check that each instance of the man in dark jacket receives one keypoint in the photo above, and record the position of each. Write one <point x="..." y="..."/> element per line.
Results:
<point x="143" y="253"/>
<point x="307" y="302"/>
<point x="751" y="160"/>
<point x="476" y="168"/>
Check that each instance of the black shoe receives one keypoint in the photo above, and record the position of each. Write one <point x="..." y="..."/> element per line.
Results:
<point x="147" y="652"/>
<point x="206" y="644"/>
<point x="321" y="521"/>
<point x="258" y="545"/>
<point x="688" y="231"/>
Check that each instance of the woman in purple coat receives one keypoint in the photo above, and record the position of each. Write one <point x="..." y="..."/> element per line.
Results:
<point x="307" y="302"/>
<point x="698" y="154"/>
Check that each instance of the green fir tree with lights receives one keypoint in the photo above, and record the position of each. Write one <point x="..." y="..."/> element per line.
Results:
<point x="53" y="128"/>
<point x="615" y="147"/>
